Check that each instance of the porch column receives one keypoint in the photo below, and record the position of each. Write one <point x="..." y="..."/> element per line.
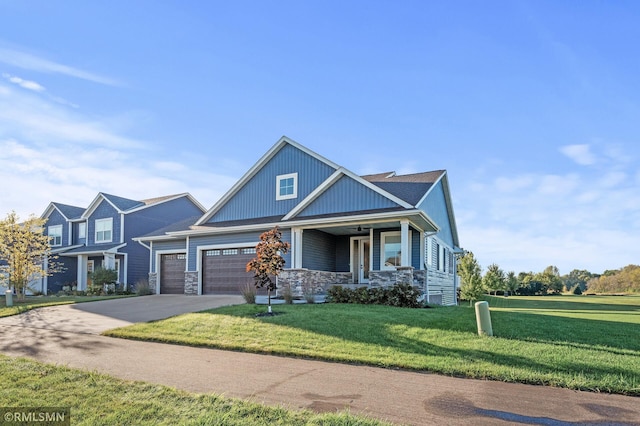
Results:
<point x="81" y="279"/>
<point x="109" y="261"/>
<point x="296" y="255"/>
<point x="404" y="243"/>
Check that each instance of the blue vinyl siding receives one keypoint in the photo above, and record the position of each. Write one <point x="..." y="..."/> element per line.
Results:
<point x="66" y="277"/>
<point x="147" y="220"/>
<point x="257" y="198"/>
<point x="55" y="218"/>
<point x="318" y="251"/>
<point x="347" y="195"/>
<point x="436" y="208"/>
<point x="415" y="247"/>
<point x="103" y="211"/>
<point x="343" y="250"/>
<point x="177" y="245"/>
<point x="76" y="233"/>
<point x="416" y="259"/>
<point x="230" y="239"/>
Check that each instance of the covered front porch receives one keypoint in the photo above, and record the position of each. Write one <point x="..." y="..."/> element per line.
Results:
<point x="374" y="252"/>
<point x="91" y="258"/>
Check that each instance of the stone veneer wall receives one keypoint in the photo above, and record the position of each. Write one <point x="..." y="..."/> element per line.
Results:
<point x="191" y="283"/>
<point x="302" y="281"/>
<point x="153" y="279"/>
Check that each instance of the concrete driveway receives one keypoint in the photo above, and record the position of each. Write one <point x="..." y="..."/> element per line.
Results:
<point x="96" y="317"/>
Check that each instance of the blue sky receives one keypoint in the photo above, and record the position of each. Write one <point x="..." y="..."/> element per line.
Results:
<point x="532" y="107"/>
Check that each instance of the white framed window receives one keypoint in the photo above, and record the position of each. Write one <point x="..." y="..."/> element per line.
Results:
<point x="390" y="250"/>
<point x="287" y="186"/>
<point x="55" y="235"/>
<point x="82" y="230"/>
<point x="104" y="230"/>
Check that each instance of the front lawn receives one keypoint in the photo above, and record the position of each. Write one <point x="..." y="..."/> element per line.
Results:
<point x="98" y="399"/>
<point x="578" y="342"/>
<point x="32" y="302"/>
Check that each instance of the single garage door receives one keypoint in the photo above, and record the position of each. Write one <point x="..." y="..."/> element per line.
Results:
<point x="172" y="267"/>
<point x="224" y="271"/>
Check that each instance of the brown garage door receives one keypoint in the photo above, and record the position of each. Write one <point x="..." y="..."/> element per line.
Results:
<point x="224" y="271"/>
<point x="172" y="268"/>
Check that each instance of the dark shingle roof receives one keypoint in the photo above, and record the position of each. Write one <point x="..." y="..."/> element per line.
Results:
<point x="410" y="188"/>
<point x="123" y="204"/>
<point x="70" y="212"/>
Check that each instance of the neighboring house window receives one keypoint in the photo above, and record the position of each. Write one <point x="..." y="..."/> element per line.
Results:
<point x="104" y="230"/>
<point x="287" y="186"/>
<point x="55" y="235"/>
<point x="390" y="250"/>
<point x="82" y="230"/>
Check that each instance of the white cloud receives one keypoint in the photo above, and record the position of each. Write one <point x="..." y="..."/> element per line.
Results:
<point x="26" y="84"/>
<point x="28" y="61"/>
<point x="580" y="153"/>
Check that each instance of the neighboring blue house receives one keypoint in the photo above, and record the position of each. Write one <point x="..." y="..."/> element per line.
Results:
<point x="101" y="235"/>
<point x="345" y="229"/>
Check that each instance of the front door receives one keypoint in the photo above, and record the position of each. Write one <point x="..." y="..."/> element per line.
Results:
<point x="360" y="250"/>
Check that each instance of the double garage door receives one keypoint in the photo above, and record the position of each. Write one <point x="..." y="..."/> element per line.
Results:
<point x="223" y="271"/>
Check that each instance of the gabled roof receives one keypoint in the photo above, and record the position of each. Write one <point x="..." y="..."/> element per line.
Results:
<point x="126" y="205"/>
<point x="411" y="188"/>
<point x="67" y="211"/>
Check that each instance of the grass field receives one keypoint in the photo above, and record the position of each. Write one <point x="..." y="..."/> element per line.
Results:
<point x="97" y="399"/>
<point x="578" y="342"/>
<point x="32" y="302"/>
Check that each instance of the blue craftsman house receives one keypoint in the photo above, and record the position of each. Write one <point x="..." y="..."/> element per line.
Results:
<point x="101" y="236"/>
<point x="344" y="229"/>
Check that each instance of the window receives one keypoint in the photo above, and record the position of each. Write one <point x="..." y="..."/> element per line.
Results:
<point x="287" y="186"/>
<point x="391" y="250"/>
<point x="227" y="252"/>
<point x="249" y="251"/>
<point x="104" y="230"/>
<point x="82" y="230"/>
<point x="55" y="235"/>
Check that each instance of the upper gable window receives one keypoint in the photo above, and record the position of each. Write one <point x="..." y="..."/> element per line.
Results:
<point x="55" y="235"/>
<point x="82" y="230"/>
<point x="287" y="186"/>
<point x="104" y="230"/>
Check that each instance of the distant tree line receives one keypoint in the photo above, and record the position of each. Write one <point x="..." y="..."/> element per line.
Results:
<point x="549" y="281"/>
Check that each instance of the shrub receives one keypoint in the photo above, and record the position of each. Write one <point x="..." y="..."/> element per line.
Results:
<point x="143" y="288"/>
<point x="400" y="295"/>
<point x="248" y="291"/>
<point x="309" y="297"/>
<point x="576" y="290"/>
<point x="287" y="295"/>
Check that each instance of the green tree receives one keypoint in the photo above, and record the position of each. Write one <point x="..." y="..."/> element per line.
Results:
<point x="494" y="280"/>
<point x="550" y="279"/>
<point x="625" y="280"/>
<point x="102" y="277"/>
<point x="470" y="276"/>
<point x="268" y="262"/>
<point x="25" y="252"/>
<point x="577" y="277"/>
<point x="512" y="284"/>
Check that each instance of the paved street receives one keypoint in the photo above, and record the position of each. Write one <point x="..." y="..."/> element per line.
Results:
<point x="69" y="335"/>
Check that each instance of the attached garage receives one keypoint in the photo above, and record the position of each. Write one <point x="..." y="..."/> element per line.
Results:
<point x="172" y="267"/>
<point x="224" y="270"/>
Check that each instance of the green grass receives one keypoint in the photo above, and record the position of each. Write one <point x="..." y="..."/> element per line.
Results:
<point x="97" y="399"/>
<point x="578" y="342"/>
<point x="32" y="302"/>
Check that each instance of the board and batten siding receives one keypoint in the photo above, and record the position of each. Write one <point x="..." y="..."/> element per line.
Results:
<point x="436" y="208"/>
<point x="318" y="251"/>
<point x="230" y="240"/>
<point x="347" y="195"/>
<point x="257" y="198"/>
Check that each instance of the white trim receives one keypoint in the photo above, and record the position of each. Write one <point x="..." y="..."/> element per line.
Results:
<point x="256" y="168"/>
<point x="175" y="197"/>
<point x="403" y="245"/>
<point x="287" y="176"/>
<point x="122" y="227"/>
<point x="159" y="254"/>
<point x="95" y="230"/>
<point x="95" y="203"/>
<point x="314" y="194"/>
<point x="56" y="228"/>
<point x="355" y="269"/>
<point x="448" y="203"/>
